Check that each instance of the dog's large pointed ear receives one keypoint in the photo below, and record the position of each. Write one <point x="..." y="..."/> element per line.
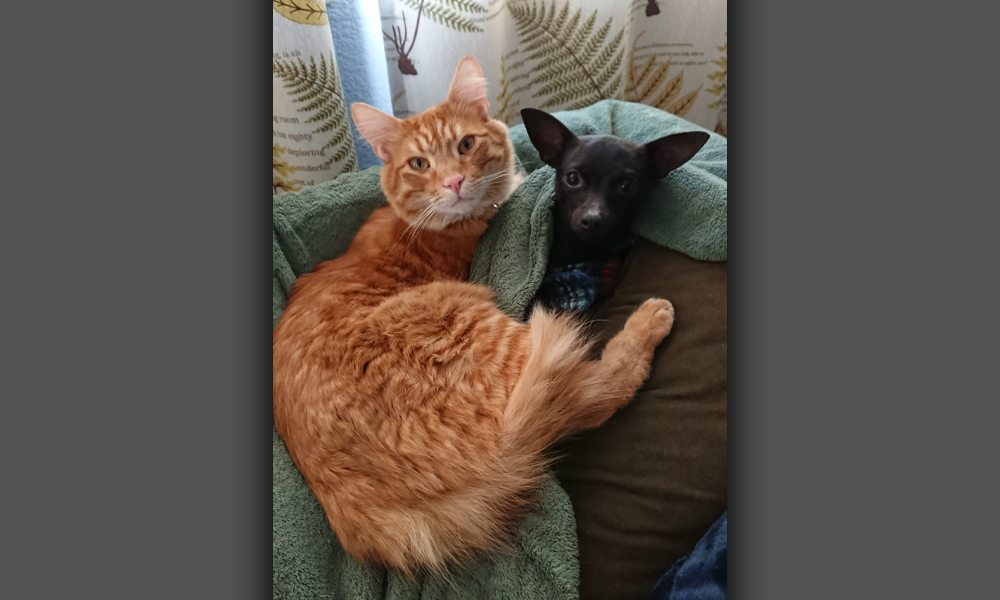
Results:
<point x="468" y="86"/>
<point x="549" y="136"/>
<point x="376" y="126"/>
<point x="672" y="151"/>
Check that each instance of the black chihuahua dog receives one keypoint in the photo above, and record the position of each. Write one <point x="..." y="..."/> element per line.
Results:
<point x="600" y="182"/>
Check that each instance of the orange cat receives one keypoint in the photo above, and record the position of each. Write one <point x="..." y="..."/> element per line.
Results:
<point x="416" y="410"/>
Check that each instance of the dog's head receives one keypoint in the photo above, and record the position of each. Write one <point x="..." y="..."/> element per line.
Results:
<point x="601" y="179"/>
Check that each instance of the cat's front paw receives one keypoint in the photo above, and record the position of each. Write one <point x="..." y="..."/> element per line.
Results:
<point x="653" y="320"/>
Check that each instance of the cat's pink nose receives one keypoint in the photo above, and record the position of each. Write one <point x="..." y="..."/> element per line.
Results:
<point x="455" y="183"/>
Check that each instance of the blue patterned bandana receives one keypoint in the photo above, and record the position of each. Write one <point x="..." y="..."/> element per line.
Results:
<point x="576" y="286"/>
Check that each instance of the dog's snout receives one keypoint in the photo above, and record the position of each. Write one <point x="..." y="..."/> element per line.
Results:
<point x="592" y="219"/>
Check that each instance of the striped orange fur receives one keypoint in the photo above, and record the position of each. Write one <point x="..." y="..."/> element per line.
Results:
<point x="416" y="410"/>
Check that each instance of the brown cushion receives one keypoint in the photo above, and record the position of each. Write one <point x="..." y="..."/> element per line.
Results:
<point x="648" y="484"/>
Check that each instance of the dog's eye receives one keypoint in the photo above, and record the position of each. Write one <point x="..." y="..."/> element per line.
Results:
<point x="419" y="164"/>
<point x="572" y="179"/>
<point x="627" y="186"/>
<point x="466" y="144"/>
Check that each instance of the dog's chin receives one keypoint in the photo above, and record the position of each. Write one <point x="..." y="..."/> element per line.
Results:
<point x="589" y="237"/>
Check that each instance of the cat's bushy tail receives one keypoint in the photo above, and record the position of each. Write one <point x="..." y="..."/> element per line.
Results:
<point x="558" y="393"/>
<point x="478" y="517"/>
<point x="544" y="404"/>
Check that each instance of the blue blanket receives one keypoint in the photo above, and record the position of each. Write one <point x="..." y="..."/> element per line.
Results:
<point x="703" y="574"/>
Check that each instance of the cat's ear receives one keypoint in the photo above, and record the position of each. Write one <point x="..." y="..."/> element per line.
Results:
<point x="469" y="87"/>
<point x="672" y="151"/>
<point x="376" y="126"/>
<point x="549" y="136"/>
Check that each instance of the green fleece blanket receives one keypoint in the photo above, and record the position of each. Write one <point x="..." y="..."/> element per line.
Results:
<point x="686" y="212"/>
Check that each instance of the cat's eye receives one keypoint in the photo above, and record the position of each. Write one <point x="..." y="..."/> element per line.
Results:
<point x="573" y="179"/>
<point x="419" y="164"/>
<point x="628" y="186"/>
<point x="466" y="144"/>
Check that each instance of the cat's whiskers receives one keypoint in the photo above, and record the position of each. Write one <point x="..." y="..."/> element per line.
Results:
<point x="518" y="165"/>
<point x="424" y="216"/>
<point x="498" y="174"/>
<point x="490" y="180"/>
<point x="411" y="228"/>
<point x="414" y="226"/>
<point x="417" y="224"/>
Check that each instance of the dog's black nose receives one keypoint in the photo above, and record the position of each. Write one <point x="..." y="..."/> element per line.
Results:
<point x="591" y="222"/>
<point x="592" y="218"/>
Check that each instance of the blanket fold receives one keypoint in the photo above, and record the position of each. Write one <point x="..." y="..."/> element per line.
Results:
<point x="686" y="212"/>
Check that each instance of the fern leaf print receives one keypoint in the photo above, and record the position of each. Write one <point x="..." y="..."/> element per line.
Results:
<point x="454" y="14"/>
<point x="304" y="12"/>
<point x="575" y="66"/>
<point x="507" y="105"/>
<point x="317" y="88"/>
<point x="683" y="105"/>
<point x="282" y="169"/>
<point x="647" y="83"/>
<point x="720" y="89"/>
<point x="720" y="75"/>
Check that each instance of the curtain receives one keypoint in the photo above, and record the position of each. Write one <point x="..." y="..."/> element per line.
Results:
<point x="400" y="56"/>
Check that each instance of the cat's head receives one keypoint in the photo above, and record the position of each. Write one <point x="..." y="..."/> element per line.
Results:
<point x="447" y="164"/>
